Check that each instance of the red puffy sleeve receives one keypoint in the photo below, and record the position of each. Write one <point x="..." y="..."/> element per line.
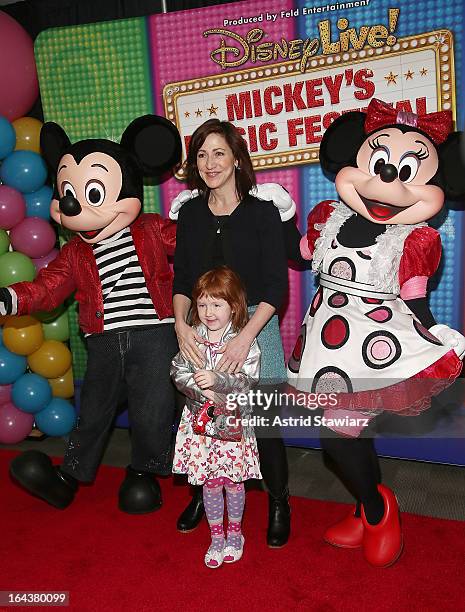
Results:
<point x="419" y="261"/>
<point x="319" y="214"/>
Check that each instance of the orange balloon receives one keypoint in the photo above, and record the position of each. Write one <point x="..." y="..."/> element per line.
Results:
<point x="3" y="318"/>
<point x="63" y="386"/>
<point x="27" y="134"/>
<point x="51" y="360"/>
<point x="22" y="335"/>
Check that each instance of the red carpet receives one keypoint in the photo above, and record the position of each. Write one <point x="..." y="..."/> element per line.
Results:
<point x="108" y="560"/>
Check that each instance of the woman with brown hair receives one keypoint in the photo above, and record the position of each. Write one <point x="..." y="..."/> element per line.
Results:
<point x="225" y="225"/>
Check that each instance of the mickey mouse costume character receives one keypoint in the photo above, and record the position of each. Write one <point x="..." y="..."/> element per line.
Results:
<point x="369" y="334"/>
<point x="118" y="266"/>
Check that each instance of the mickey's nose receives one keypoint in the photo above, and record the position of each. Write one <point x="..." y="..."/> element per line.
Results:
<point x="69" y="206"/>
<point x="388" y="173"/>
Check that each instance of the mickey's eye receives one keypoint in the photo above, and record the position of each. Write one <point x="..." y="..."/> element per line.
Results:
<point x="408" y="168"/>
<point x="377" y="161"/>
<point x="67" y="189"/>
<point x="95" y="193"/>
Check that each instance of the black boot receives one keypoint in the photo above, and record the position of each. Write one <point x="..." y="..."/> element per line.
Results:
<point x="139" y="492"/>
<point x="194" y="512"/>
<point x="35" y="472"/>
<point x="279" y="520"/>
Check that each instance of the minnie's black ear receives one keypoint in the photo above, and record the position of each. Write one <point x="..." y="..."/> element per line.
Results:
<point x="53" y="143"/>
<point x="342" y="141"/>
<point x="452" y="166"/>
<point x="155" y="142"/>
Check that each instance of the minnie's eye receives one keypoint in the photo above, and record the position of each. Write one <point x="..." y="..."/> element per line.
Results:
<point x="67" y="189"/>
<point x="377" y="161"/>
<point x="408" y="168"/>
<point x="95" y="193"/>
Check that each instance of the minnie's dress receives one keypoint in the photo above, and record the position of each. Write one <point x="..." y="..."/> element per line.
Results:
<point x="359" y="338"/>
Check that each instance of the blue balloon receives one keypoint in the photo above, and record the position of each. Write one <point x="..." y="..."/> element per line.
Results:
<point x="24" y="170"/>
<point x="7" y="137"/>
<point x="31" y="393"/>
<point x="56" y="419"/>
<point x="12" y="366"/>
<point x="38" y="203"/>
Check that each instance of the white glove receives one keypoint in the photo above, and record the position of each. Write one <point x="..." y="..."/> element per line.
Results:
<point x="179" y="201"/>
<point x="280" y="197"/>
<point x="449" y="337"/>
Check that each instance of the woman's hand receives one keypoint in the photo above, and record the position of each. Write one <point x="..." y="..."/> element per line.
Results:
<point x="187" y="340"/>
<point x="235" y="352"/>
<point x="205" y="379"/>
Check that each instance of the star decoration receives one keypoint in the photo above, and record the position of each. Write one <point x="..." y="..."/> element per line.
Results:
<point x="212" y="110"/>
<point x="391" y="78"/>
<point x="198" y="113"/>
<point x="439" y="39"/>
<point x="423" y="72"/>
<point x="409" y="75"/>
<point x="187" y="114"/>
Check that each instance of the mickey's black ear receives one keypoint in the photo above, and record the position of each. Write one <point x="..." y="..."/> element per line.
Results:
<point x="53" y="143"/>
<point x="341" y="141"/>
<point x="155" y="142"/>
<point x="452" y="166"/>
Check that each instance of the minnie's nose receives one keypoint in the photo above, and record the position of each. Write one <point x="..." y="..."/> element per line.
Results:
<point x="69" y="206"/>
<point x="388" y="173"/>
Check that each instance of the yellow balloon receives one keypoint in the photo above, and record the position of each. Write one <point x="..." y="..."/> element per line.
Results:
<point x="22" y="335"/>
<point x="27" y="134"/>
<point x="63" y="386"/>
<point x="51" y="360"/>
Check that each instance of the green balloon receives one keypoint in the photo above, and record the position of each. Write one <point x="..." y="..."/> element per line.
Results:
<point x="48" y="317"/>
<point x="14" y="268"/>
<point x="4" y="242"/>
<point x="57" y="329"/>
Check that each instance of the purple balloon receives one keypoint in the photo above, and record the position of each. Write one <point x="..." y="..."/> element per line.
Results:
<point x="5" y="394"/>
<point x="33" y="237"/>
<point x="12" y="207"/>
<point x="42" y="262"/>
<point x="15" y="424"/>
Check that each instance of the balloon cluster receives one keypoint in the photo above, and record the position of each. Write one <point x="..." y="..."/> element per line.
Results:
<point x="27" y="244"/>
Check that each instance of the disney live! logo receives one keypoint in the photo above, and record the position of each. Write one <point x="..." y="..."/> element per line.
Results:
<point x="235" y="50"/>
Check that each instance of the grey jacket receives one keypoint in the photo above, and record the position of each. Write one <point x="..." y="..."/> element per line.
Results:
<point x="182" y="372"/>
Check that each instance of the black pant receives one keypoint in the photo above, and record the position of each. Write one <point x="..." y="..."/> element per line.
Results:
<point x="135" y="362"/>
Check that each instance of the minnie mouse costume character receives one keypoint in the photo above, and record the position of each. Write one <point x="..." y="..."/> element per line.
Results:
<point x="369" y="334"/>
<point x="118" y="266"/>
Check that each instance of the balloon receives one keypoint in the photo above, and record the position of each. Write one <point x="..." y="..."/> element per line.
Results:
<point x="63" y="386"/>
<point x="27" y="134"/>
<point x="34" y="237"/>
<point x="20" y="87"/>
<point x="12" y="366"/>
<point x="24" y="170"/>
<point x="31" y="393"/>
<point x="47" y="317"/>
<point x="51" y="360"/>
<point x="12" y="207"/>
<point x="1" y="336"/>
<point x="38" y="202"/>
<point x="56" y="419"/>
<point x="22" y="335"/>
<point x="15" y="424"/>
<point x="5" y="394"/>
<point x="4" y="242"/>
<point x="15" y="267"/>
<point x="7" y="137"/>
<point x="3" y="318"/>
<point x="57" y="329"/>
<point x="42" y="262"/>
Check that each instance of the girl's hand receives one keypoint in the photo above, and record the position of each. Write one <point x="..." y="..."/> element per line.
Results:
<point x="204" y="378"/>
<point x="187" y="340"/>
<point x="235" y="352"/>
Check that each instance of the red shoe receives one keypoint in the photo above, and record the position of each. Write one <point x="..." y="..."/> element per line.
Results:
<point x="347" y="533"/>
<point x="382" y="543"/>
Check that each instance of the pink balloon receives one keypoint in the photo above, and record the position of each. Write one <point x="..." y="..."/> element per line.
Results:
<point x="12" y="206"/>
<point x="18" y="73"/>
<point x="43" y="262"/>
<point x="15" y="424"/>
<point x="5" y="394"/>
<point x="33" y="237"/>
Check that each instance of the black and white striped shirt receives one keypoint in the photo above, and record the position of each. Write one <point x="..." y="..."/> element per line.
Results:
<point x="126" y="300"/>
